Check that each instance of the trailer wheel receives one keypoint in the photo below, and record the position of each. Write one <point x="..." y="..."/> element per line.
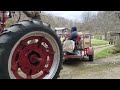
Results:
<point x="90" y="53"/>
<point x="90" y="57"/>
<point x="30" y="50"/>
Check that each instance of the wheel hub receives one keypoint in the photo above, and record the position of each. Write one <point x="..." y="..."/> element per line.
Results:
<point x="34" y="59"/>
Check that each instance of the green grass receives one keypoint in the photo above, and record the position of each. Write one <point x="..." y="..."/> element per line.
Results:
<point x="100" y="46"/>
<point x="97" y="42"/>
<point x="105" y="53"/>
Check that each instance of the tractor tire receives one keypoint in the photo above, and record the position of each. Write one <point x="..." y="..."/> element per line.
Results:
<point x="30" y="50"/>
<point x="90" y="53"/>
<point x="90" y="57"/>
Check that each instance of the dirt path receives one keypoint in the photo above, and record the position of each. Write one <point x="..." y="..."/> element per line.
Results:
<point x="107" y="68"/>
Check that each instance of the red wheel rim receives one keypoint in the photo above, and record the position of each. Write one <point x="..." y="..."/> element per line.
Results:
<point x="32" y="58"/>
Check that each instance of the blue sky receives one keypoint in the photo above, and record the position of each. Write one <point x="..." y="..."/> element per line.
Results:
<point x="72" y="15"/>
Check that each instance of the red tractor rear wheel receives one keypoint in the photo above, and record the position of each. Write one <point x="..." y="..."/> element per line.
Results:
<point x="90" y="57"/>
<point x="30" y="50"/>
<point x="90" y="53"/>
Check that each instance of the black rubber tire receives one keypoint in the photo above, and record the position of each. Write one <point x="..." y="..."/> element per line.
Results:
<point x="91" y="57"/>
<point x="9" y="38"/>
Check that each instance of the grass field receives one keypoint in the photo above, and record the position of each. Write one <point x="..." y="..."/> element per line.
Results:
<point x="106" y="53"/>
<point x="97" y="42"/>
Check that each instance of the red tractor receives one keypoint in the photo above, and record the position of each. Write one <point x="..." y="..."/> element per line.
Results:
<point x="82" y="49"/>
<point x="29" y="49"/>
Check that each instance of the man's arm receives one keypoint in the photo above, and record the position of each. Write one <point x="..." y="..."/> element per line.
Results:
<point x="33" y="14"/>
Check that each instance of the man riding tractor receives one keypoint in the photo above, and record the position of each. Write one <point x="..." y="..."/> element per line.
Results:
<point x="76" y="39"/>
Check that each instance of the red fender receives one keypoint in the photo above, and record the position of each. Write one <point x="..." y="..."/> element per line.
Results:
<point x="90" y="51"/>
<point x="5" y="18"/>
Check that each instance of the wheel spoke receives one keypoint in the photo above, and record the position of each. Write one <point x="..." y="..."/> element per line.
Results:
<point x="51" y="53"/>
<point x="40" y="40"/>
<point x="46" y="71"/>
<point x="16" y="66"/>
<point x="23" y="44"/>
<point x="29" y="75"/>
